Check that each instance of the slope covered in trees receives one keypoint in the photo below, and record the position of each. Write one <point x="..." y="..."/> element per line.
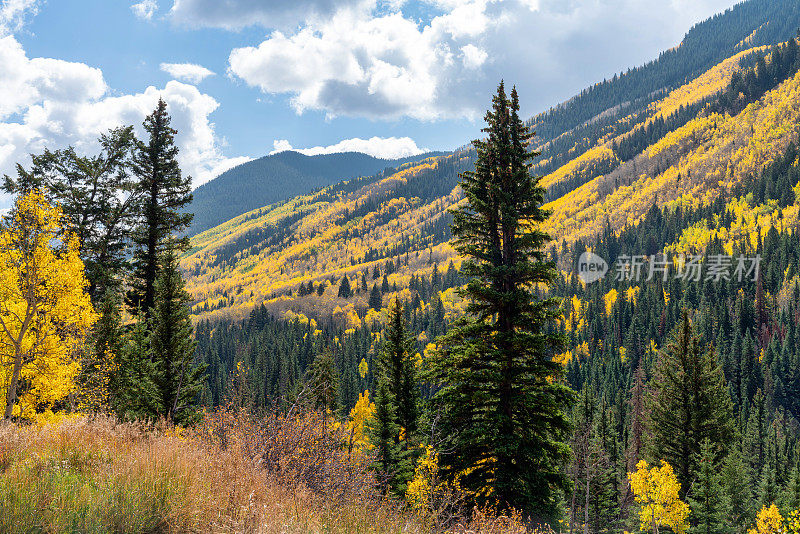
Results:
<point x="278" y="177"/>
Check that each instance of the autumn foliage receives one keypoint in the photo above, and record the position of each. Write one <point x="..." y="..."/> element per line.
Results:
<point x="45" y="311"/>
<point x="656" y="490"/>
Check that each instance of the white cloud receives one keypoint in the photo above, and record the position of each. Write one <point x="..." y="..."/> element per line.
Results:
<point x="280" y="145"/>
<point x="188" y="72"/>
<point x="237" y="14"/>
<point x="379" y="147"/>
<point x="54" y="103"/>
<point x="368" y="59"/>
<point x="145" y="9"/>
<point x="14" y="13"/>
<point x="474" y="57"/>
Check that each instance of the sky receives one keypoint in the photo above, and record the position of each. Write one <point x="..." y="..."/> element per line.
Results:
<point x="246" y="78"/>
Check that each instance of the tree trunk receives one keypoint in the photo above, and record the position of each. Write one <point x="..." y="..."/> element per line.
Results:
<point x="11" y="395"/>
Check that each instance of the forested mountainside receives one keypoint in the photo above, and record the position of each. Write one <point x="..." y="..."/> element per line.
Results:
<point x="709" y="167"/>
<point x="697" y="143"/>
<point x="278" y="177"/>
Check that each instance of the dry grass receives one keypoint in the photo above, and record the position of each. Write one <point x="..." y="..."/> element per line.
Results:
<point x="232" y="474"/>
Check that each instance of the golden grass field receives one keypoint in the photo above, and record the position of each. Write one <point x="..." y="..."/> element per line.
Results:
<point x="95" y="474"/>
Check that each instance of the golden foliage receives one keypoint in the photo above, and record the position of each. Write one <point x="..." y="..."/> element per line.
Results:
<point x="656" y="491"/>
<point x="356" y="427"/>
<point x="768" y="521"/>
<point x="45" y="311"/>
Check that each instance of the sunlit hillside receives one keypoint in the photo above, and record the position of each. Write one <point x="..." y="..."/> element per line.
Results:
<point x="687" y="148"/>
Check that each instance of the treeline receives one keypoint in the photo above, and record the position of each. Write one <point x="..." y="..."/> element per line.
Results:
<point x="757" y="80"/>
<point x="574" y="127"/>
<point x="278" y="177"/>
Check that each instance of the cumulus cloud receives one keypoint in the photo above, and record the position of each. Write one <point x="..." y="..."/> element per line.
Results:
<point x="369" y="59"/>
<point x="145" y="9"/>
<point x="54" y="103"/>
<point x="188" y="72"/>
<point x="237" y="14"/>
<point x="379" y="147"/>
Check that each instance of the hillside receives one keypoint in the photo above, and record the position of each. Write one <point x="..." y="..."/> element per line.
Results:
<point x="687" y="158"/>
<point x="277" y="177"/>
<point x="706" y="167"/>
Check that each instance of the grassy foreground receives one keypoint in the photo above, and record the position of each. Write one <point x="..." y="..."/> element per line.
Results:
<point x="99" y="475"/>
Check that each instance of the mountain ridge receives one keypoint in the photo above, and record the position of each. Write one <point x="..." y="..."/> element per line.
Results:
<point x="276" y="177"/>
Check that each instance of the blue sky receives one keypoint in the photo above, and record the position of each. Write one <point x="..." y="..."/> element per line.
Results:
<point x="243" y="78"/>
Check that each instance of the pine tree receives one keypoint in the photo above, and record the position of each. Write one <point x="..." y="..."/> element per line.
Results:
<point x="500" y="395"/>
<point x="398" y="388"/>
<point x="375" y="298"/>
<point x="323" y="380"/>
<point x="706" y="498"/>
<point x="689" y="403"/>
<point x="737" y="492"/>
<point x="793" y="489"/>
<point x="178" y="378"/>
<point x="164" y="192"/>
<point x="344" y="289"/>
<point x="134" y="393"/>
<point x="385" y="284"/>
<point x="383" y="432"/>
<point x="397" y="359"/>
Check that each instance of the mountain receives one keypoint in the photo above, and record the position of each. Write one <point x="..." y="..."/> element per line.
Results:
<point x="693" y="154"/>
<point x="277" y="177"/>
<point x="685" y="146"/>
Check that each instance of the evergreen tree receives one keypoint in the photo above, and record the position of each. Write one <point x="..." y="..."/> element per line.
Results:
<point x="383" y="434"/>
<point x="163" y="194"/>
<point x="500" y="395"/>
<point x="397" y="360"/>
<point x="737" y="492"/>
<point x="134" y="393"/>
<point x="323" y="381"/>
<point x="178" y="378"/>
<point x="385" y="284"/>
<point x="375" y="298"/>
<point x="706" y="498"/>
<point x="688" y="404"/>
<point x="344" y="288"/>
<point x="793" y="489"/>
<point x="397" y="386"/>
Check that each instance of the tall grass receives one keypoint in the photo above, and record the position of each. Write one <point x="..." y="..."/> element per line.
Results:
<point x="230" y="475"/>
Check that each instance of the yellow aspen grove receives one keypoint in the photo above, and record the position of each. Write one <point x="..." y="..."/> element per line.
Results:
<point x="656" y="490"/>
<point x="45" y="311"/>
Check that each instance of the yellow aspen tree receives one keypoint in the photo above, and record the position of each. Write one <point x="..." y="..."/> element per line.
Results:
<point x="362" y="412"/>
<point x="768" y="521"/>
<point x="45" y="310"/>
<point x="656" y="490"/>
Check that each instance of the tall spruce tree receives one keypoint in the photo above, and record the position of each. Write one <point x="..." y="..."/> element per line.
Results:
<point x="689" y="403"/>
<point x="399" y="391"/>
<point x="501" y="399"/>
<point x="383" y="434"/>
<point x="375" y="298"/>
<point x="397" y="359"/>
<point x="178" y="378"/>
<point x="164" y="191"/>
<point x="322" y="379"/>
